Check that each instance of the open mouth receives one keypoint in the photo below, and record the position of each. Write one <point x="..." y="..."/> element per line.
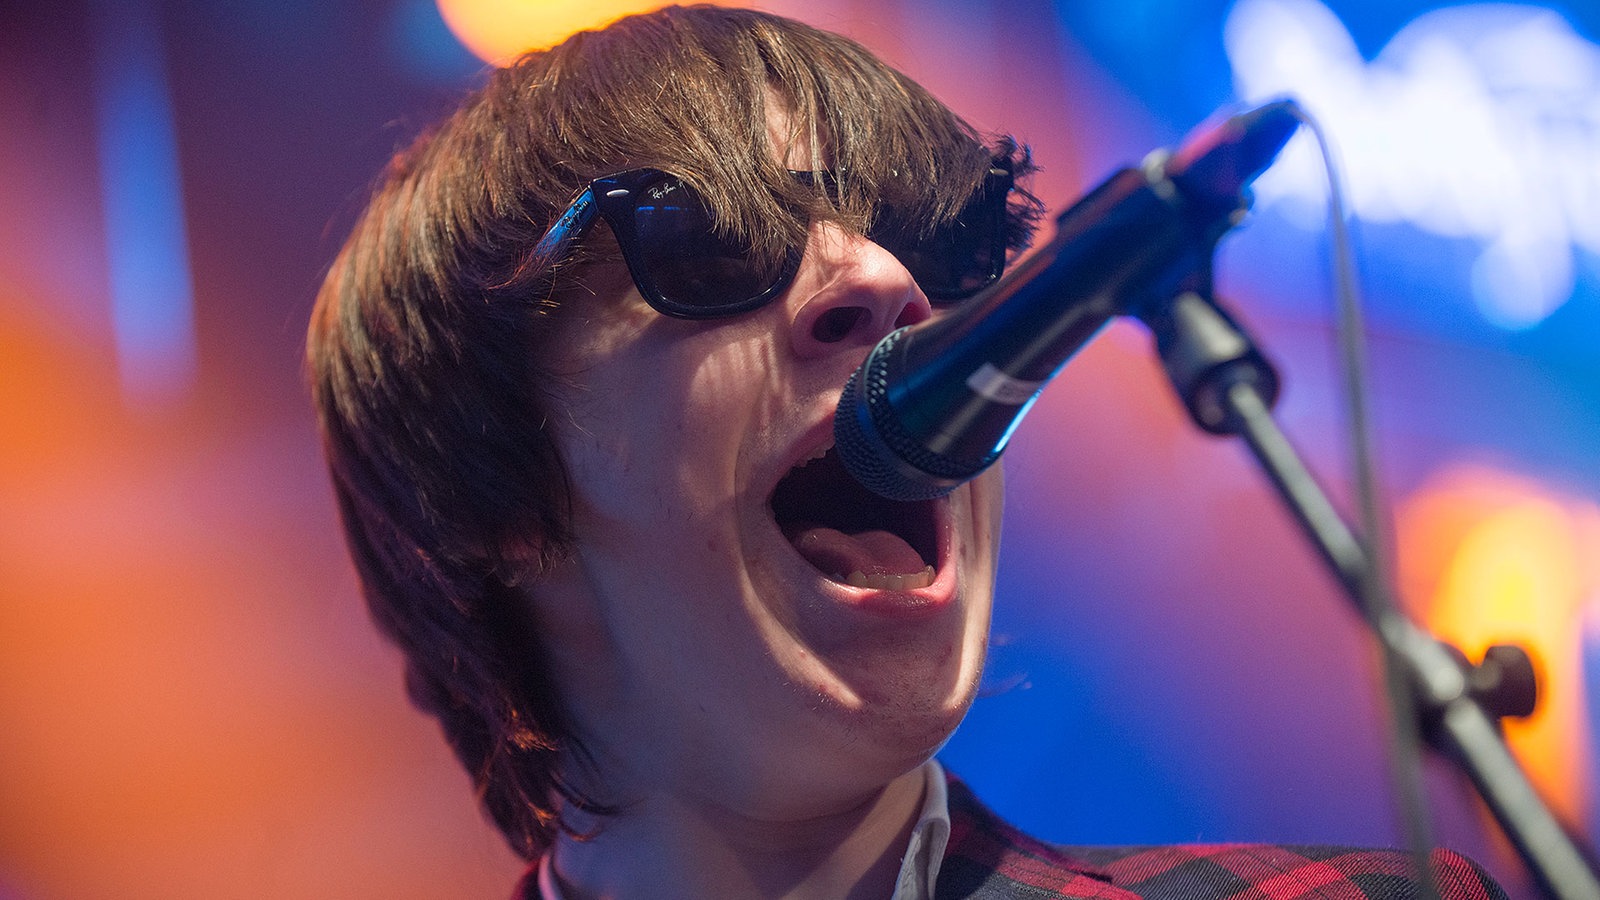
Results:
<point x="852" y="535"/>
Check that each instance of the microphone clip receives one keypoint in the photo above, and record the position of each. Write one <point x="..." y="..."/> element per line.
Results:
<point x="1206" y="353"/>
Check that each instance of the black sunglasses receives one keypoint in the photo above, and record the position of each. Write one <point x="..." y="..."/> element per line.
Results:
<point x="684" y="267"/>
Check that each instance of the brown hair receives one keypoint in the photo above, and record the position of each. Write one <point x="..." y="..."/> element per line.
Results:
<point x="423" y="351"/>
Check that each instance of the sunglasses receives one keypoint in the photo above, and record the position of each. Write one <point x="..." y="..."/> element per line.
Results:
<point x="685" y="267"/>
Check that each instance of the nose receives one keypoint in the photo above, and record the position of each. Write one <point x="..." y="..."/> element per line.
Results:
<point x="851" y="292"/>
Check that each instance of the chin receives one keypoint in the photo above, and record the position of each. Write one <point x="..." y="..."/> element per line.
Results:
<point x="893" y="700"/>
<point x="879" y="676"/>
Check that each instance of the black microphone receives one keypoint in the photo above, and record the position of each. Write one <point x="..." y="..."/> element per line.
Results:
<point x="935" y="403"/>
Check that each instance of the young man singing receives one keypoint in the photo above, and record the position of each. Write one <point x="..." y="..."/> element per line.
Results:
<point x="576" y="369"/>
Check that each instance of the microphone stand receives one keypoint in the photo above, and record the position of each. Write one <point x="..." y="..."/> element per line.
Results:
<point x="1229" y="388"/>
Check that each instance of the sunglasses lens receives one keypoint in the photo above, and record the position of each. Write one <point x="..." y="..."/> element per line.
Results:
<point x="951" y="264"/>
<point x="695" y="271"/>
<point x="956" y="259"/>
<point x="687" y="268"/>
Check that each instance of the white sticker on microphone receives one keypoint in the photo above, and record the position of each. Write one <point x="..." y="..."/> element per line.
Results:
<point x="996" y="385"/>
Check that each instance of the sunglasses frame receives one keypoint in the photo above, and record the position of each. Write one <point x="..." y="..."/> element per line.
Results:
<point x="617" y="197"/>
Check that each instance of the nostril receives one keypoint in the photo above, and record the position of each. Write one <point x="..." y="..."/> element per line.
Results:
<point x="911" y="315"/>
<point x="836" y="324"/>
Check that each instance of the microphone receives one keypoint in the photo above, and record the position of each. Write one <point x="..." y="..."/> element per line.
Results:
<point x="934" y="404"/>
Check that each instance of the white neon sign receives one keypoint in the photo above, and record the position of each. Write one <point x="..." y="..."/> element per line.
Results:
<point x="1478" y="122"/>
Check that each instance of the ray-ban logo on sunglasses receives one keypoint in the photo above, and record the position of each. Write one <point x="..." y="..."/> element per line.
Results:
<point x="662" y="189"/>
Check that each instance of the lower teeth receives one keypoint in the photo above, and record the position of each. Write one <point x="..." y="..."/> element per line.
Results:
<point x="884" y="582"/>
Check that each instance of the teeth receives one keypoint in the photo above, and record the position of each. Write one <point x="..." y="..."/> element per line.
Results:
<point x="816" y="454"/>
<point x="886" y="582"/>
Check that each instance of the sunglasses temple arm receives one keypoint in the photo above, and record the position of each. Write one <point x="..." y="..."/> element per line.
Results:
<point x="572" y="223"/>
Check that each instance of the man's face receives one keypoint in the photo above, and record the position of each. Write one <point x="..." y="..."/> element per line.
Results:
<point x="703" y="634"/>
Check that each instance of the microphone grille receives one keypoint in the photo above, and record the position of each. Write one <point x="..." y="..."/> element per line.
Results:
<point x="860" y="441"/>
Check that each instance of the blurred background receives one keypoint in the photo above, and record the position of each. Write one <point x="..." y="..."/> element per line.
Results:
<point x="192" y="703"/>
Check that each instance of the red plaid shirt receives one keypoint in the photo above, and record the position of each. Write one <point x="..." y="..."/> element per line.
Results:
<point x="988" y="859"/>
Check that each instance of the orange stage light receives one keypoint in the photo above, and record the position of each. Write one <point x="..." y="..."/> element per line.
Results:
<point x="496" y="31"/>
<point x="1491" y="558"/>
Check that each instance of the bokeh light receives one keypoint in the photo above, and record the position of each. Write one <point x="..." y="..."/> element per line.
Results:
<point x="147" y="251"/>
<point x="1475" y="122"/>
<point x="496" y="31"/>
<point x="1493" y="558"/>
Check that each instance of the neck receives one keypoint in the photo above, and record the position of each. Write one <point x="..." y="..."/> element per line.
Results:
<point x="666" y="847"/>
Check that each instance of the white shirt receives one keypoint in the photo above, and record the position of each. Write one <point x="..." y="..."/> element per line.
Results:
<point x="919" y="867"/>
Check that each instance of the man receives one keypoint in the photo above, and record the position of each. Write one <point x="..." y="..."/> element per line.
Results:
<point x="576" y="369"/>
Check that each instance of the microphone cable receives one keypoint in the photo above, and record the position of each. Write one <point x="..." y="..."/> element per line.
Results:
<point x="1404" y="731"/>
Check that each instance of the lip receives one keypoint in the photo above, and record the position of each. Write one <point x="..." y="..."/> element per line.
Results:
<point x="877" y="603"/>
<point x="920" y="603"/>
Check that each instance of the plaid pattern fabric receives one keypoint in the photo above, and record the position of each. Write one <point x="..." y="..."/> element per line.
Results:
<point x="988" y="859"/>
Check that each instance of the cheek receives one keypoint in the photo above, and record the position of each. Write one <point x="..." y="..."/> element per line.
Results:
<point x="988" y="508"/>
<point x="658" y="437"/>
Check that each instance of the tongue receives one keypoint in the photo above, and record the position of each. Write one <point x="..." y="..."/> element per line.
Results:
<point x="835" y="553"/>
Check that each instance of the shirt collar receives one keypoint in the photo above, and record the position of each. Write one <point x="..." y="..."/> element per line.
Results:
<point x="919" y="867"/>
